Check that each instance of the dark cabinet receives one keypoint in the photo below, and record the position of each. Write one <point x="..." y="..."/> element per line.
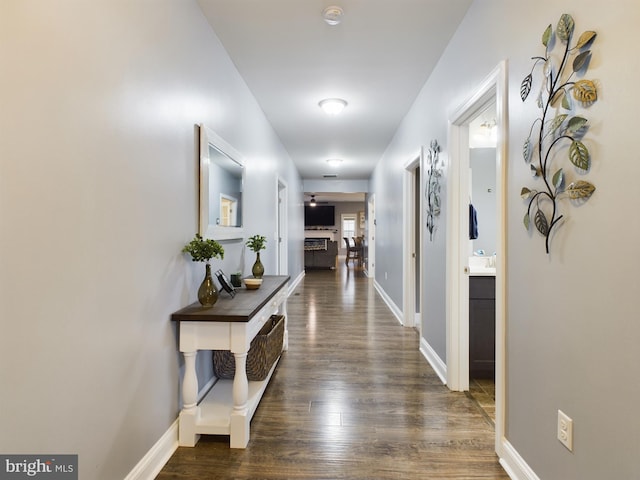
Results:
<point x="482" y="327"/>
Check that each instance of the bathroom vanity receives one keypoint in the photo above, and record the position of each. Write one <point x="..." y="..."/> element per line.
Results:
<point x="482" y="325"/>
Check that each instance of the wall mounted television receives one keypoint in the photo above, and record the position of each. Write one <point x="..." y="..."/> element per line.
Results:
<point x="319" y="216"/>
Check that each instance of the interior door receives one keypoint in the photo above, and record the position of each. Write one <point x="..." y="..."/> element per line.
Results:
<point x="282" y="229"/>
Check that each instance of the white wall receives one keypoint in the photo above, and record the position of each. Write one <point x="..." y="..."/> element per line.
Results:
<point x="386" y="184"/>
<point x="98" y="194"/>
<point x="571" y="315"/>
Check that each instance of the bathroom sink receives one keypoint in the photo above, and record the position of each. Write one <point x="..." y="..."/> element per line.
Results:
<point x="482" y="265"/>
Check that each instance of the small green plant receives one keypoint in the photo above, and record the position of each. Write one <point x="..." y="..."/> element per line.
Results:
<point x="202" y="250"/>
<point x="256" y="243"/>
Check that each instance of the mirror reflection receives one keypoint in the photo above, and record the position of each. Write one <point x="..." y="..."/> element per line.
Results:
<point x="225" y="190"/>
<point x="221" y="187"/>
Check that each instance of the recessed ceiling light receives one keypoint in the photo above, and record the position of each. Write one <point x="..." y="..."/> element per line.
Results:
<point x="332" y="106"/>
<point x="332" y="15"/>
<point x="334" y="162"/>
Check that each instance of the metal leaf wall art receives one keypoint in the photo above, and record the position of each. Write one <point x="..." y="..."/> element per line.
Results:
<point x="434" y="175"/>
<point x="558" y="129"/>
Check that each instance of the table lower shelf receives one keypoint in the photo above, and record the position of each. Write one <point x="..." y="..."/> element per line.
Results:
<point x="216" y="407"/>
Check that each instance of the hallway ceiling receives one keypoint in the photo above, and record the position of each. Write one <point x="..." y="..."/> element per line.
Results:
<point x="377" y="59"/>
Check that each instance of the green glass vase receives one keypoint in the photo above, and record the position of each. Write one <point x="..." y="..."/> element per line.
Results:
<point x="207" y="293"/>
<point x="258" y="269"/>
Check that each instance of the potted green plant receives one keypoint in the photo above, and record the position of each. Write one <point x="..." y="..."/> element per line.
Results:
<point x="203" y="250"/>
<point x="257" y="243"/>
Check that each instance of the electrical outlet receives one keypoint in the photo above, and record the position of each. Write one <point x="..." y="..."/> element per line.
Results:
<point x="565" y="430"/>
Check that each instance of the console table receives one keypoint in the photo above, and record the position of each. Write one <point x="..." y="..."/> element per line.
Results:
<point x="230" y="324"/>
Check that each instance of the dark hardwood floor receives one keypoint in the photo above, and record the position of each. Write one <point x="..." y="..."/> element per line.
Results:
<point x="352" y="398"/>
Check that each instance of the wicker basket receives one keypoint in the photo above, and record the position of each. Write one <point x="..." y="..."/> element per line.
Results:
<point x="264" y="350"/>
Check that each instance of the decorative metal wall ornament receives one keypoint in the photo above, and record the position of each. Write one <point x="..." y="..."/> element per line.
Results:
<point x="434" y="174"/>
<point x="558" y="126"/>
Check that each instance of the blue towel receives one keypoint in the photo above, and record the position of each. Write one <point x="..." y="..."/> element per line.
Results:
<point x="473" y="223"/>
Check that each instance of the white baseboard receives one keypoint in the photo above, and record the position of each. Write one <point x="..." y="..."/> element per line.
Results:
<point x="434" y="360"/>
<point x="294" y="284"/>
<point x="392" y="306"/>
<point x="156" y="458"/>
<point x="514" y="464"/>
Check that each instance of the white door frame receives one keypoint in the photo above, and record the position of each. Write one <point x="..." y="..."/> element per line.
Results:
<point x="411" y="318"/>
<point x="371" y="236"/>
<point x="493" y="88"/>
<point x="282" y="233"/>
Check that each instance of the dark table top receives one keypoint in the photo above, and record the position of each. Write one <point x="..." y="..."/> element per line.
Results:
<point x="240" y="308"/>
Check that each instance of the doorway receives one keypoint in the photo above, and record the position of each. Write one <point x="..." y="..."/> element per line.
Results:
<point x="282" y="234"/>
<point x="370" y="248"/>
<point x="412" y="251"/>
<point x="482" y="254"/>
<point x="492" y="92"/>
<point x="228" y="211"/>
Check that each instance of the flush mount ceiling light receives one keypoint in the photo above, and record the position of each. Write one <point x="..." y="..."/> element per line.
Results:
<point x="334" y="162"/>
<point x="332" y="106"/>
<point x="332" y="15"/>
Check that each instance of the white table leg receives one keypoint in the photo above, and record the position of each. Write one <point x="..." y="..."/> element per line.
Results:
<point x="187" y="436"/>
<point x="239" y="416"/>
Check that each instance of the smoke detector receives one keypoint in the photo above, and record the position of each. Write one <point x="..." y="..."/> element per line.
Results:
<point x="332" y="15"/>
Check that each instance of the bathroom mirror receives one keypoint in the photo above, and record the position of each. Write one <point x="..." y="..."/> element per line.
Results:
<point x="221" y="185"/>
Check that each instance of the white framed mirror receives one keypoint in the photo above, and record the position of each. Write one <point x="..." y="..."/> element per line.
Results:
<point x="221" y="188"/>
